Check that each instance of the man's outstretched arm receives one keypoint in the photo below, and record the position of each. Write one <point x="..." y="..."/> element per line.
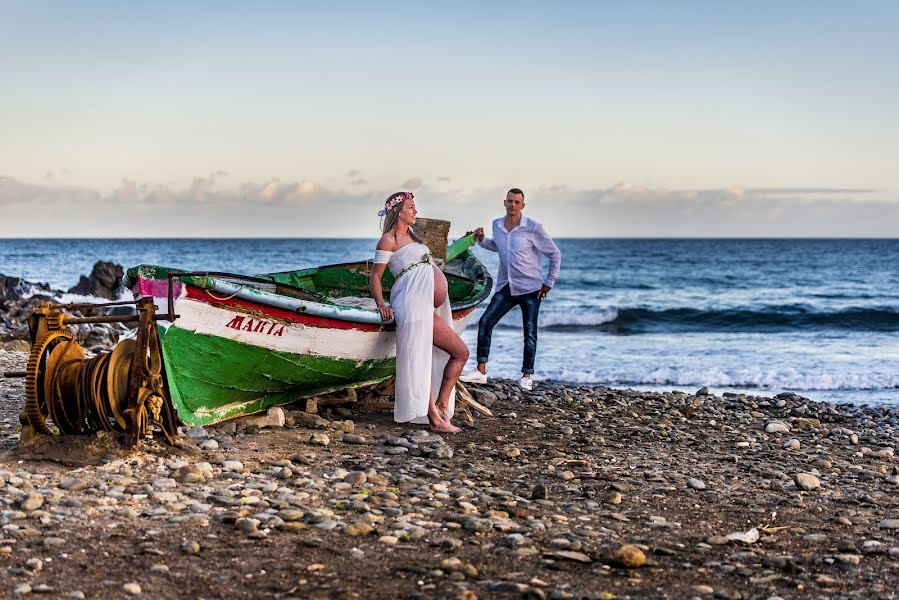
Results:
<point x="485" y="242"/>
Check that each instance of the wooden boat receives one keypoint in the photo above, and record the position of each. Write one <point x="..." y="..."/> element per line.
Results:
<point x="240" y="344"/>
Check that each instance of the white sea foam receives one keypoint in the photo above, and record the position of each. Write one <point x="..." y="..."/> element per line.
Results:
<point x="579" y="318"/>
<point x="779" y="379"/>
<point x="27" y="290"/>
<point x="587" y="317"/>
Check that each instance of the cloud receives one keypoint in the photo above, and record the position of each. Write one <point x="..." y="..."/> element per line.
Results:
<point x="306" y="207"/>
<point x="630" y="210"/>
<point x="15" y="192"/>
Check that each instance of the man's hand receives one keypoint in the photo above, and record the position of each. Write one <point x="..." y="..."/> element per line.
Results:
<point x="541" y="294"/>
<point x="479" y="234"/>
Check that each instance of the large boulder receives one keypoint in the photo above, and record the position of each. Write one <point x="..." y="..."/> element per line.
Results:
<point x="105" y="281"/>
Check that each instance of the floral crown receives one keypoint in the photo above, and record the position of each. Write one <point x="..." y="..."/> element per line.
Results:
<point x="395" y="199"/>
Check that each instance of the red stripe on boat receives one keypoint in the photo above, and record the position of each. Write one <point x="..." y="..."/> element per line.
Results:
<point x="201" y="295"/>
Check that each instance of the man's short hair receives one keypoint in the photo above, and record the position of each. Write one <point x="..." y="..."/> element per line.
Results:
<point x="516" y="191"/>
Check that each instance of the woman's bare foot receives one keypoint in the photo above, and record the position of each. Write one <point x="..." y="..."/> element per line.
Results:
<point x="441" y="425"/>
<point x="445" y="427"/>
<point x="444" y="412"/>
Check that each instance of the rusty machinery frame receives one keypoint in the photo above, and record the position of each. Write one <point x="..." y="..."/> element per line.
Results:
<point x="147" y="397"/>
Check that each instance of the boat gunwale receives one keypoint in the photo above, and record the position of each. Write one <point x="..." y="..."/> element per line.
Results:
<point x="311" y="307"/>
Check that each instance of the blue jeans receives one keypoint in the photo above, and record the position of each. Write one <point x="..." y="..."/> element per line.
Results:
<point x="503" y="301"/>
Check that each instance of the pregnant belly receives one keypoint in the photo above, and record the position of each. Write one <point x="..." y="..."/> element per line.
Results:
<point x="440" y="287"/>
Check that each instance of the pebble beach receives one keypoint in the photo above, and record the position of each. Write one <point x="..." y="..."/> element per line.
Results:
<point x="567" y="492"/>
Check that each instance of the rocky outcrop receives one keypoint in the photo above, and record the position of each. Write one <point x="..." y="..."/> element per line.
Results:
<point x="19" y="298"/>
<point x="105" y="281"/>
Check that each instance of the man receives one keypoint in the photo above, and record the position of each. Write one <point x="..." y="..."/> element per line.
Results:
<point x="520" y="243"/>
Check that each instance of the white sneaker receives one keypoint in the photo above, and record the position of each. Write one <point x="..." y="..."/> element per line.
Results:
<point x="526" y="384"/>
<point x="474" y="377"/>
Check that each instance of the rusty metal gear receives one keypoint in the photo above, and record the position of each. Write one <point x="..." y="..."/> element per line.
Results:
<point x="35" y="372"/>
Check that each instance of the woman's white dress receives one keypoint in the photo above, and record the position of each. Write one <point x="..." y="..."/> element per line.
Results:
<point x="419" y="365"/>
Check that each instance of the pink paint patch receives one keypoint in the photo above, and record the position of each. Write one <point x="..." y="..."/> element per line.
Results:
<point x="156" y="288"/>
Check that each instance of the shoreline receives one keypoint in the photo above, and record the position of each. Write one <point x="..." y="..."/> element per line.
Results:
<point x="724" y="496"/>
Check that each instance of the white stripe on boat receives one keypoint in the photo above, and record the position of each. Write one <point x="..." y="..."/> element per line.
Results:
<point x="281" y="336"/>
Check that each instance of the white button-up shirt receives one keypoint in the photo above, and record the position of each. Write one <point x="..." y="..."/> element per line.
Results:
<point x="520" y="253"/>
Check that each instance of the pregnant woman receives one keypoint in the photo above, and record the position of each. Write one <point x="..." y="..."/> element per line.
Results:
<point x="429" y="353"/>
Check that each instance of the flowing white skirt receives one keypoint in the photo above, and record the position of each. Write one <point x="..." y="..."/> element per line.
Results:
<point x="419" y="365"/>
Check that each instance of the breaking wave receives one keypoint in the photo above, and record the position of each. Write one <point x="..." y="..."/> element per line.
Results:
<point x="687" y="320"/>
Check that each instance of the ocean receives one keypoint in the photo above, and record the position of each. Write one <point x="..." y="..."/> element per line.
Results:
<point x="762" y="316"/>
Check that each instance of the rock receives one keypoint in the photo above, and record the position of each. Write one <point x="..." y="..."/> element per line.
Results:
<point x="613" y="498"/>
<point x="34" y="564"/>
<point x="477" y="525"/>
<point x="190" y="547"/>
<point x="889" y="524"/>
<point x="196" y="433"/>
<point x="628" y="556"/>
<point x="22" y="588"/>
<point x="696" y="484"/>
<point x="353" y="438"/>
<point x="356" y="477"/>
<point x="359" y="528"/>
<point x="247" y="525"/>
<point x="443" y="452"/>
<point x="73" y="484"/>
<point x="539" y="492"/>
<point x="514" y="540"/>
<point x="703" y="391"/>
<point x="792" y="444"/>
<point x="511" y="452"/>
<point x="319" y="439"/>
<point x="583" y="558"/>
<point x="105" y="281"/>
<point x="274" y="418"/>
<point x="31" y="502"/>
<point x="132" y="588"/>
<point x="232" y="465"/>
<point x="745" y="537"/>
<point x="209" y="445"/>
<point x="566" y="430"/>
<point x="806" y="481"/>
<point x="777" y="427"/>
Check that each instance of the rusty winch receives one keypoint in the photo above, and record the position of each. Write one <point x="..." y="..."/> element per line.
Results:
<point x="123" y="390"/>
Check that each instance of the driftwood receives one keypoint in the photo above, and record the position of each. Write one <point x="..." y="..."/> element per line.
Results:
<point x="466" y="400"/>
<point x="374" y="398"/>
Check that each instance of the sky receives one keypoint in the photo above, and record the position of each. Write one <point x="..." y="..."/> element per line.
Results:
<point x="297" y="119"/>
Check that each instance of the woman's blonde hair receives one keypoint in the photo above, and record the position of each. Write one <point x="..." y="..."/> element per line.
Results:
<point x="392" y="214"/>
